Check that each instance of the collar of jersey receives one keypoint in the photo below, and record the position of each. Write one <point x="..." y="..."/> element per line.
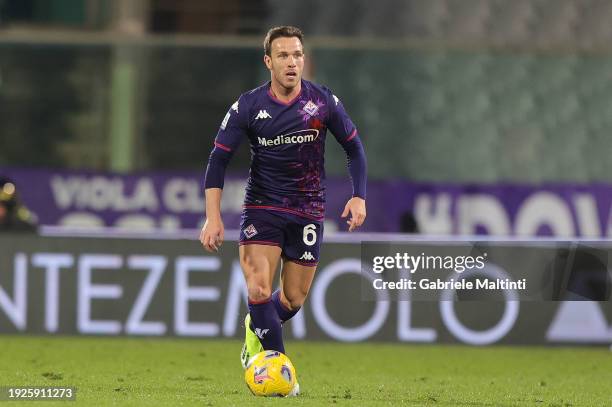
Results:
<point x="275" y="99"/>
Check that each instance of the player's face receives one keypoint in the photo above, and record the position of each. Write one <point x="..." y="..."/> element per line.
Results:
<point x="286" y="62"/>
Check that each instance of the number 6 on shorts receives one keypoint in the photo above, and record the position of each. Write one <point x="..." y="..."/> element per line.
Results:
<point x="310" y="234"/>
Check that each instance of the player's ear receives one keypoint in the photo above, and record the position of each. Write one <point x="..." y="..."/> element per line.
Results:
<point x="268" y="61"/>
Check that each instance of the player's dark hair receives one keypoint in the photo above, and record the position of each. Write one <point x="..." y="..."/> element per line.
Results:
<point x="282" y="31"/>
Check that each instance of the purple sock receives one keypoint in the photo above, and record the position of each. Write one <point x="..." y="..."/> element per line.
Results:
<point x="283" y="313"/>
<point x="267" y="325"/>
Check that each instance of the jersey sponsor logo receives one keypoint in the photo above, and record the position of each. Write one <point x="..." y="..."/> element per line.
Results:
<point x="297" y="137"/>
<point x="261" y="332"/>
<point x="263" y="114"/>
<point x="311" y="108"/>
<point x="307" y="256"/>
<point x="250" y="231"/>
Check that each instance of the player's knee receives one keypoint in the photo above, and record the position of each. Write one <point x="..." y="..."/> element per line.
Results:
<point x="296" y="304"/>
<point x="258" y="292"/>
<point x="256" y="271"/>
<point x="296" y="298"/>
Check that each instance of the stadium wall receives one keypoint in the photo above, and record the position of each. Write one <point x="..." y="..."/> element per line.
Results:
<point x="170" y="287"/>
<point x="174" y="200"/>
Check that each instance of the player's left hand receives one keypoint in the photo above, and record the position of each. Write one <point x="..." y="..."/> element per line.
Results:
<point x="356" y="207"/>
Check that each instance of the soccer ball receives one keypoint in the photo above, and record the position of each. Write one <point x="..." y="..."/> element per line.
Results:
<point x="270" y="374"/>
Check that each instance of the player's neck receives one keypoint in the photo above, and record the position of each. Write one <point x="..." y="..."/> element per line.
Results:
<point x="284" y="94"/>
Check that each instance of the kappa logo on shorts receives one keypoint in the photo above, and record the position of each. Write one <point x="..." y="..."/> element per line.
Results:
<point x="307" y="256"/>
<point x="250" y="231"/>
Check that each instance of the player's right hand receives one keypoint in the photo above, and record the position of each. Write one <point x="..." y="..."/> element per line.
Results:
<point x="211" y="235"/>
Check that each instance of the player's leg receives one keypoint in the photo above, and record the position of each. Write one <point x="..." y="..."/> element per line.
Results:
<point x="261" y="239"/>
<point x="301" y="256"/>
<point x="302" y="240"/>
<point x="259" y="264"/>
<point x="296" y="280"/>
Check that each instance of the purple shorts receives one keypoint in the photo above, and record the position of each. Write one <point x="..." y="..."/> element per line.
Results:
<point x="298" y="237"/>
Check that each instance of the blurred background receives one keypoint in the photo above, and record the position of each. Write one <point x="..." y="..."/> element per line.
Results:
<point x="478" y="116"/>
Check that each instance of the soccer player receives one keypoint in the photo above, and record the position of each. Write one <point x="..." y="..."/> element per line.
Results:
<point x="286" y="122"/>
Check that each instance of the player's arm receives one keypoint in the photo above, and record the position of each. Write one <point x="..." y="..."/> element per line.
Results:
<point x="346" y="134"/>
<point x="357" y="165"/>
<point x="231" y="133"/>
<point x="212" y="233"/>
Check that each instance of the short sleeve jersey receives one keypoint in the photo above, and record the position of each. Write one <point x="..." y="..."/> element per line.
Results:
<point x="287" y="145"/>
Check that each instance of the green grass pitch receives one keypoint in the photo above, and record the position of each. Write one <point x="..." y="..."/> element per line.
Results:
<point x="184" y="372"/>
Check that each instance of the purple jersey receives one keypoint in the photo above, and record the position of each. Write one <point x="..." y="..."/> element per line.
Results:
<point x="287" y="145"/>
